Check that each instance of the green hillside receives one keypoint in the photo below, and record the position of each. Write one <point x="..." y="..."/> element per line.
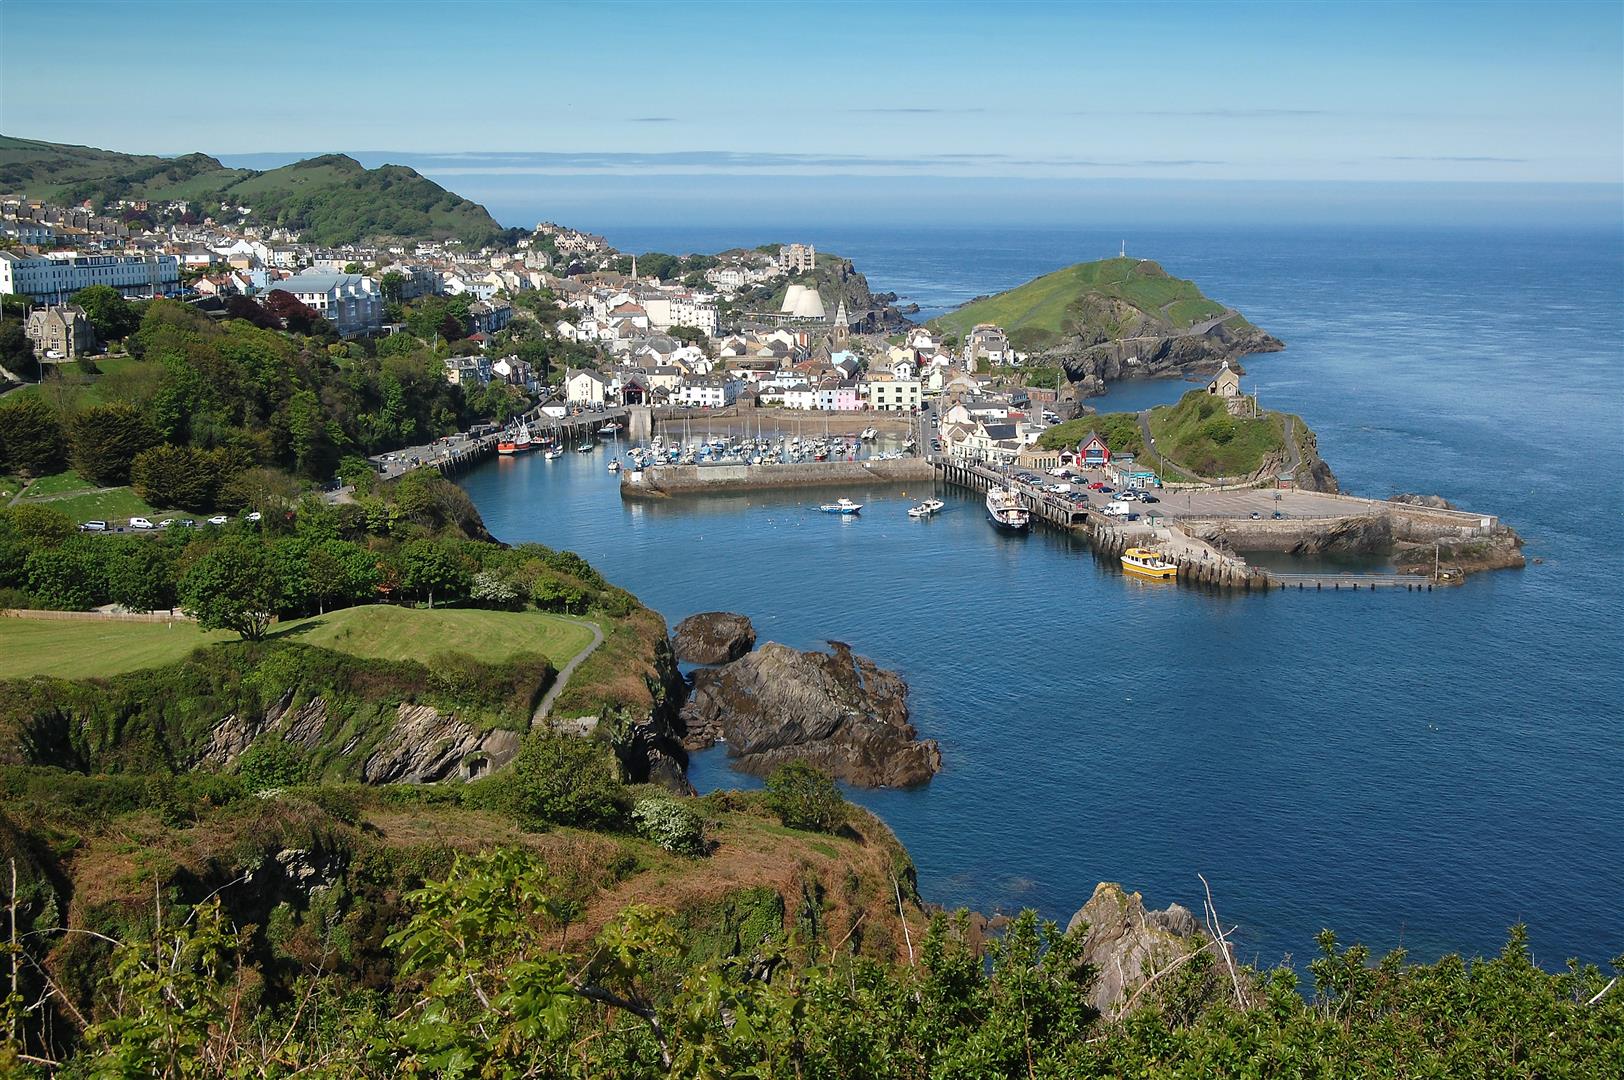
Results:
<point x="1097" y="301"/>
<point x="331" y="199"/>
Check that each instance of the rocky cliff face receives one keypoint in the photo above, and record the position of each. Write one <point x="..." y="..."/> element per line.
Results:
<point x="713" y="637"/>
<point x="1127" y="945"/>
<point x="836" y="710"/>
<point x="1090" y="364"/>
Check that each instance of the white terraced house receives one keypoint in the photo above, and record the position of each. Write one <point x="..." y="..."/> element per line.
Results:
<point x="55" y="277"/>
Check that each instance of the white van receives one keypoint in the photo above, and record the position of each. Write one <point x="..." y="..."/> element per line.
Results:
<point x="1117" y="508"/>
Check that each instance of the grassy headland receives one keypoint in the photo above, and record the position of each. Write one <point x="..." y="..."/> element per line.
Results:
<point x="1097" y="301"/>
<point x="1197" y="436"/>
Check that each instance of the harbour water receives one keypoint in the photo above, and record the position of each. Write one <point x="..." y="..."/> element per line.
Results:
<point x="1409" y="769"/>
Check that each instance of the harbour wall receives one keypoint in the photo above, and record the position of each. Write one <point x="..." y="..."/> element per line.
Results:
<point x="664" y="480"/>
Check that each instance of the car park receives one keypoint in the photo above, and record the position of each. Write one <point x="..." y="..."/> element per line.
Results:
<point x="141" y="523"/>
<point x="93" y="526"/>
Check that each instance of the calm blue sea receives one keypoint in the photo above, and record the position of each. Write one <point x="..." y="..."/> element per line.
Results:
<point x="1416" y="770"/>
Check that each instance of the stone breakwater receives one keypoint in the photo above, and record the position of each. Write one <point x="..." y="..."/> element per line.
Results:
<point x="664" y="480"/>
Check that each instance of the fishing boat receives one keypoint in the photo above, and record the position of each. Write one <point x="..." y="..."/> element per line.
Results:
<point x="1005" y="511"/>
<point x="515" y="440"/>
<point x="841" y="506"/>
<point x="869" y="434"/>
<point x="926" y="509"/>
<point x="1148" y="562"/>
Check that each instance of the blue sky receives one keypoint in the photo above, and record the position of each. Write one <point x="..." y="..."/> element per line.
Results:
<point x="498" y="100"/>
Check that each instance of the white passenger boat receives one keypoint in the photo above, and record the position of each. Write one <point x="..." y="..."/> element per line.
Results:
<point x="841" y="506"/>
<point x="926" y="509"/>
<point x="1005" y="511"/>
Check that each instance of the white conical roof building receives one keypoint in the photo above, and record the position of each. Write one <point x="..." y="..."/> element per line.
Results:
<point x="809" y="305"/>
<point x="792" y="296"/>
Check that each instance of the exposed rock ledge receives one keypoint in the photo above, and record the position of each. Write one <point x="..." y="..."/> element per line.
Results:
<point x="713" y="637"/>
<point x="836" y="710"/>
<point x="1128" y="945"/>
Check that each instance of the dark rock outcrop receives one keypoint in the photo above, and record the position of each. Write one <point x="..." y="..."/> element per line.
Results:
<point x="1127" y="945"/>
<point x="1089" y="365"/>
<point x="1435" y="502"/>
<point x="836" y="710"/>
<point x="713" y="637"/>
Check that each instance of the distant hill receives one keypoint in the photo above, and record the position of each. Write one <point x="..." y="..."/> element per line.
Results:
<point x="331" y="199"/>
<point x="1095" y="302"/>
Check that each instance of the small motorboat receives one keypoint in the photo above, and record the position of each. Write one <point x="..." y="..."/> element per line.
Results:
<point x="585" y="448"/>
<point x="842" y="506"/>
<point x="869" y="434"/>
<point x="1148" y="562"/>
<point x="614" y="466"/>
<point x="928" y="508"/>
<point x="554" y="454"/>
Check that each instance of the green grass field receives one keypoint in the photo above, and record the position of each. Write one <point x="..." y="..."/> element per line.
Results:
<point x="82" y="649"/>
<point x="85" y="648"/>
<point x="395" y="633"/>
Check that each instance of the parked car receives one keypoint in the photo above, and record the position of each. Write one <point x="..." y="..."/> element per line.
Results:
<point x="188" y="523"/>
<point x="254" y="516"/>
<point x="1145" y="496"/>
<point x="141" y="523"/>
<point x="1097" y="485"/>
<point x="218" y="519"/>
<point x="93" y="526"/>
<point x="166" y="523"/>
<point x="1256" y="515"/>
<point x="1277" y="515"/>
<point x="1133" y="517"/>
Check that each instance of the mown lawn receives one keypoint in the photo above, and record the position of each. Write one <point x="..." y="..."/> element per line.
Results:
<point x="116" y="506"/>
<point x="82" y="649"/>
<point x="396" y="633"/>
<point x="62" y="483"/>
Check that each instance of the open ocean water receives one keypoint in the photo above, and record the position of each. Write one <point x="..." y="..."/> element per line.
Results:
<point x="1409" y="769"/>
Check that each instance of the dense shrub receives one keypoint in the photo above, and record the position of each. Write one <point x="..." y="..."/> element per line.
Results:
<point x="805" y="797"/>
<point x="673" y="825"/>
<point x="557" y="780"/>
<point x="271" y="762"/>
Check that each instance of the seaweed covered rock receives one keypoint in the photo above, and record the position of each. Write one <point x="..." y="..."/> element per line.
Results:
<point x="713" y="637"/>
<point x="835" y="710"/>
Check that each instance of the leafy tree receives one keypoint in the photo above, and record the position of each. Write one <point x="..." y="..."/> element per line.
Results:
<point x="31" y="437"/>
<point x="426" y="569"/>
<point x="341" y="573"/>
<point x="233" y="586"/>
<point x="112" y="316"/>
<point x="106" y="440"/>
<point x="553" y="594"/>
<point x="69" y="577"/>
<point x="295" y="314"/>
<point x="393" y="285"/>
<point x="559" y="780"/>
<point x="17" y="351"/>
<point x="40" y="524"/>
<point x="141" y="574"/>
<point x="492" y="590"/>
<point x="805" y="797"/>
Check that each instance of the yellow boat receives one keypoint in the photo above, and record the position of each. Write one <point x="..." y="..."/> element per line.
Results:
<point x="1147" y="562"/>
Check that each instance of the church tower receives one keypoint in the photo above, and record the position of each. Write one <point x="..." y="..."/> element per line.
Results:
<point x="842" y="330"/>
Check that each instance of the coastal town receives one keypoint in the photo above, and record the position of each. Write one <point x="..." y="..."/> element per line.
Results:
<point x="765" y="344"/>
